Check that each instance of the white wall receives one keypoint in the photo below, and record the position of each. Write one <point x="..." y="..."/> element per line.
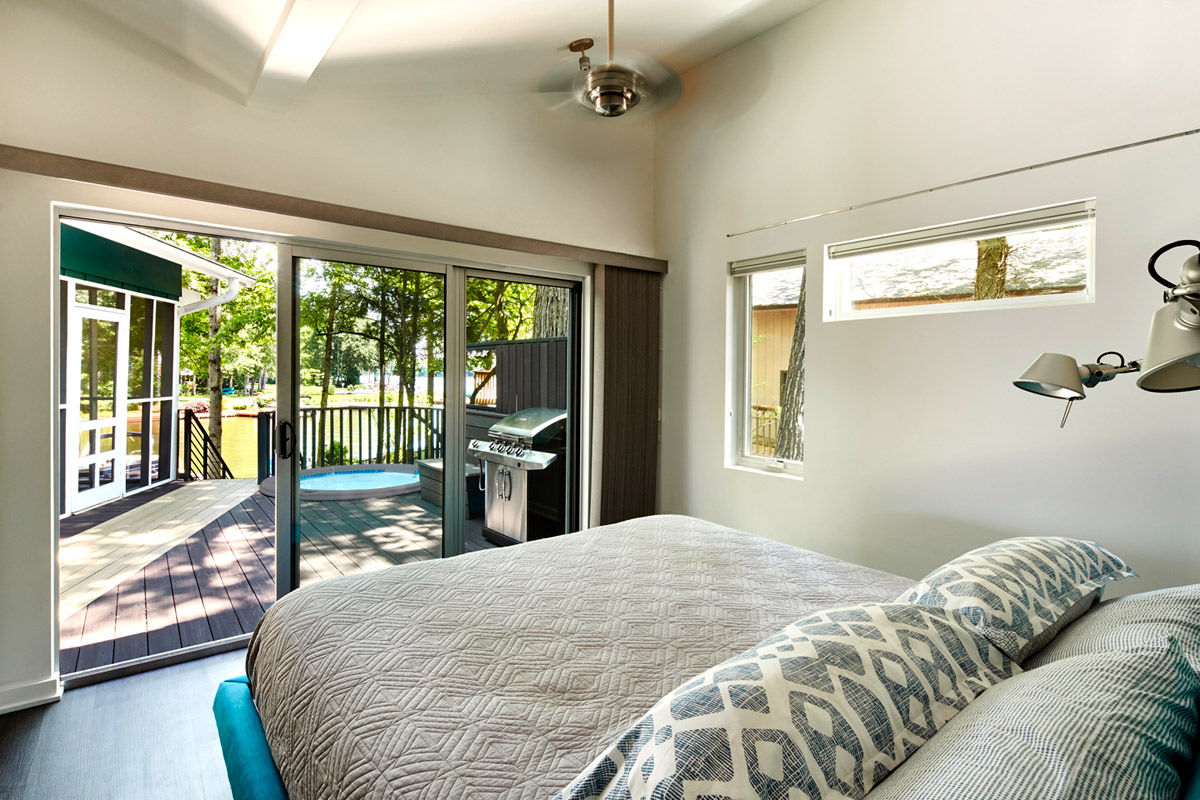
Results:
<point x="919" y="447"/>
<point x="28" y="649"/>
<point x="73" y="82"/>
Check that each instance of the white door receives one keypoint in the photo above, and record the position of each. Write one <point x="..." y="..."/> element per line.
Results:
<point x="96" y="412"/>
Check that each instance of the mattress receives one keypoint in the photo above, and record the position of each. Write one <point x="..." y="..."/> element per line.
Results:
<point x="503" y="673"/>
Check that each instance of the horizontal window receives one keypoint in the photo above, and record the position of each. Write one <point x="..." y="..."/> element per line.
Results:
<point x="766" y="428"/>
<point x="1035" y="257"/>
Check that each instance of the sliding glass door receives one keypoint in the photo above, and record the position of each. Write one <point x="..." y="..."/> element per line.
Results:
<point x="369" y="419"/>
<point x="521" y="399"/>
<point x="393" y="375"/>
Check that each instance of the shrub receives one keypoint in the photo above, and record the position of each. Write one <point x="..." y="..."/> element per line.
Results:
<point x="336" y="454"/>
<point x="196" y="406"/>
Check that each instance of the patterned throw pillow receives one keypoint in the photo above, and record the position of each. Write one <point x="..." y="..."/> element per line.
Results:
<point x="1115" y="725"/>
<point x="1130" y="621"/>
<point x="1020" y="592"/>
<point x="824" y="709"/>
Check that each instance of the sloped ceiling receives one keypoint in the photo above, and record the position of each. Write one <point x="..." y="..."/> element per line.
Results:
<point x="276" y="52"/>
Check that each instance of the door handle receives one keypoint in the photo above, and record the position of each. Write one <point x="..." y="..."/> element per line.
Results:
<point x="287" y="440"/>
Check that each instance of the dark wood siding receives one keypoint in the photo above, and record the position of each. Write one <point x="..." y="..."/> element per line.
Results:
<point x="531" y="374"/>
<point x="632" y="350"/>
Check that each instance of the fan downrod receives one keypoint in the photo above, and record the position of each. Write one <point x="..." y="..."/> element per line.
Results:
<point x="581" y="46"/>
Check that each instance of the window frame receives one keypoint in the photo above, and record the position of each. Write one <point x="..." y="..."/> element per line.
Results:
<point x="739" y="367"/>
<point x="835" y="308"/>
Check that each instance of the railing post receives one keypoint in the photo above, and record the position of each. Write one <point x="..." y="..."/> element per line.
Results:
<point x="187" y="444"/>
<point x="266" y="425"/>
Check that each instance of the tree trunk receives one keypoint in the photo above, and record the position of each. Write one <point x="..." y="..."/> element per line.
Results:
<point x="551" y="309"/>
<point x="429" y="385"/>
<point x="991" y="268"/>
<point x="215" y="381"/>
<point x="327" y="371"/>
<point x="414" y="333"/>
<point x="326" y="375"/>
<point x="789" y="442"/>
<point x="382" y="363"/>
<point x="498" y="292"/>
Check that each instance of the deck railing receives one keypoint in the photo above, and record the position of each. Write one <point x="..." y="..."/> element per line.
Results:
<point x="764" y="430"/>
<point x="357" y="435"/>
<point x="201" y="457"/>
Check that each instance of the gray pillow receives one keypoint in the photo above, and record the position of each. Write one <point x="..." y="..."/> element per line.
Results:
<point x="823" y="709"/>
<point x="1118" y="725"/>
<point x="1020" y="592"/>
<point x="1136" y="619"/>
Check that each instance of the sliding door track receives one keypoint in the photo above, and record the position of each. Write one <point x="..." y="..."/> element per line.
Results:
<point x="126" y="668"/>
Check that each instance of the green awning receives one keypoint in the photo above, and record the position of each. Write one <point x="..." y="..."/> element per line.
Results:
<point x="89" y="257"/>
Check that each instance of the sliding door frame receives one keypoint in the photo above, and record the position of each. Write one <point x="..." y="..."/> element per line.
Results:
<point x="456" y="270"/>
<point x="579" y="388"/>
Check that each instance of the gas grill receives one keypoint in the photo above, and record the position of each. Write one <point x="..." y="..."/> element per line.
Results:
<point x="524" y="475"/>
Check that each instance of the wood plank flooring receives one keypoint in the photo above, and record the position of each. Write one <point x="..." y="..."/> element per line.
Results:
<point x="219" y="581"/>
<point x="96" y="560"/>
<point x="85" y="520"/>
<point x="145" y="737"/>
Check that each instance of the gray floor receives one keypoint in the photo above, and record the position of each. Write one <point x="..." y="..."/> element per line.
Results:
<point x="146" y="736"/>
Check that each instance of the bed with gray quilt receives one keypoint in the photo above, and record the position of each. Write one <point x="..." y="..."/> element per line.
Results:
<point x="501" y="674"/>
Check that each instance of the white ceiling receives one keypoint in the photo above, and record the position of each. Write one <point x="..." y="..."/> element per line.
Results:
<point x="276" y="52"/>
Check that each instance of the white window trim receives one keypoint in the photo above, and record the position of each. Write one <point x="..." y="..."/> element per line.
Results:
<point x="737" y="370"/>
<point x="1028" y="219"/>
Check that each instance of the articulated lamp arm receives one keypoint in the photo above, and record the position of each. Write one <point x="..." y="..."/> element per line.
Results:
<point x="1172" y="360"/>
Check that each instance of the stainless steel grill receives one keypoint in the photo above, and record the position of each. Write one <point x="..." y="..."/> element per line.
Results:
<point x="523" y="474"/>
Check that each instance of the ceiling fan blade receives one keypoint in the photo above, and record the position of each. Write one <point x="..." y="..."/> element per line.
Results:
<point x="662" y="86"/>
<point x="563" y="100"/>
<point x="664" y="93"/>
<point x="564" y="77"/>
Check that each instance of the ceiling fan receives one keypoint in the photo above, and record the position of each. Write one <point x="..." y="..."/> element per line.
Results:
<point x="614" y="87"/>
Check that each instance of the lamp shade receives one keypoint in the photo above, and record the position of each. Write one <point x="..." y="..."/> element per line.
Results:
<point x="1053" y="375"/>
<point x="1172" y="362"/>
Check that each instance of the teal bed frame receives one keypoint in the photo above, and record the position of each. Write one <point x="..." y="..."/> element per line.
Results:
<point x="252" y="772"/>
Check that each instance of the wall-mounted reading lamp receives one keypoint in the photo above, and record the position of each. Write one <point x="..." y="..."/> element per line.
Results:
<point x="1172" y="361"/>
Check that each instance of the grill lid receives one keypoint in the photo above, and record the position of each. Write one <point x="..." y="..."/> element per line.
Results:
<point x="527" y="423"/>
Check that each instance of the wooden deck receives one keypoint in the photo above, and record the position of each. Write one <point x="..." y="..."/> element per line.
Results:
<point x="219" y="581"/>
<point x="95" y="560"/>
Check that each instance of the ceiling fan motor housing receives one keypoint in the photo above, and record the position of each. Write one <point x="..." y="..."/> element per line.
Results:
<point x="611" y="90"/>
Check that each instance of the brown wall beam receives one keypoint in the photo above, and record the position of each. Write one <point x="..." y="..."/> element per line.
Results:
<point x="52" y="165"/>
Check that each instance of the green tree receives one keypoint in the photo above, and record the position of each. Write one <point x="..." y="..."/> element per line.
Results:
<point x="991" y="267"/>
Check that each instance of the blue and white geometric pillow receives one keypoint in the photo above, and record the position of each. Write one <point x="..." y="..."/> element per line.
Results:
<point x="1020" y="592"/>
<point x="824" y="709"/>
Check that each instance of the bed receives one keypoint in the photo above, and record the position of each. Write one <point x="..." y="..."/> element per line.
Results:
<point x="502" y="673"/>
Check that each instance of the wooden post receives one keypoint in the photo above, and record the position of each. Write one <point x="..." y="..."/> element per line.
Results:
<point x="188" y="418"/>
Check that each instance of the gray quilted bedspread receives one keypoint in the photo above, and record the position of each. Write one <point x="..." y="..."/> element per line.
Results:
<point x="501" y="674"/>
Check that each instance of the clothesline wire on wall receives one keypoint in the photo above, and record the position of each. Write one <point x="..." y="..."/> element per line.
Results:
<point x="965" y="182"/>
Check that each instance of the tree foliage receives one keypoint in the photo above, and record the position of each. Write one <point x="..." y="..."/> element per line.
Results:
<point x="246" y="335"/>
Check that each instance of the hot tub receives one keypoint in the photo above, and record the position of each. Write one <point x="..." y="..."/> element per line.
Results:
<point x="353" y="482"/>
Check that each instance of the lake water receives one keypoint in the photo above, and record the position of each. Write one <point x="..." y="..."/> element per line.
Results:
<point x="239" y="445"/>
